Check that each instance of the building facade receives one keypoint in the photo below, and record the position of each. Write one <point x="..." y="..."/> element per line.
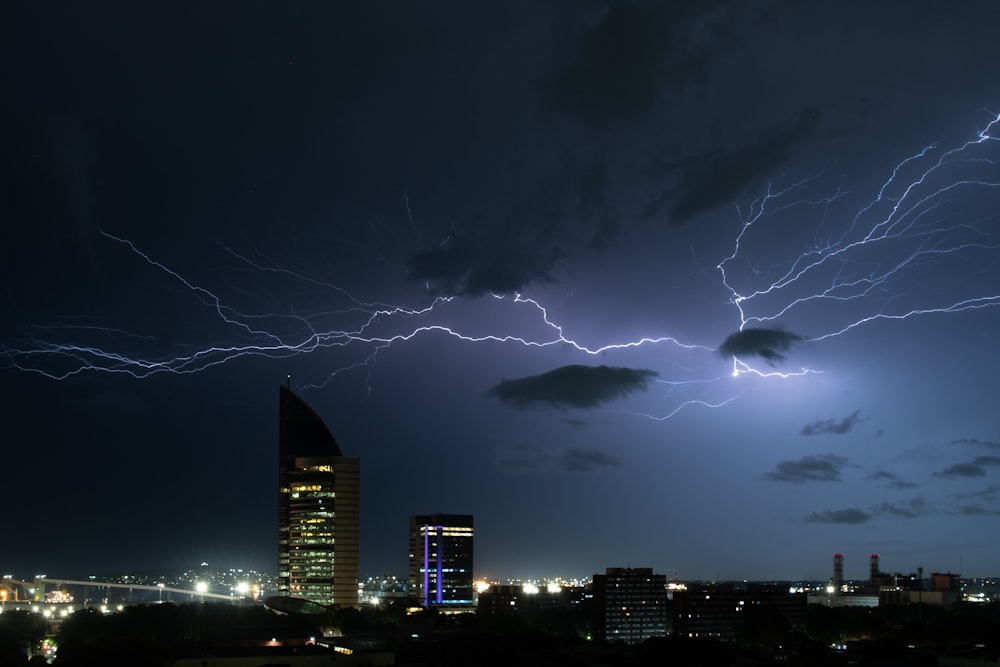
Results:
<point x="630" y="604"/>
<point x="440" y="560"/>
<point x="318" y="509"/>
<point x="726" y="613"/>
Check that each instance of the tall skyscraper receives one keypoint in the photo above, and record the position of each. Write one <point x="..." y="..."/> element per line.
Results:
<point x="318" y="509"/>
<point x="441" y="559"/>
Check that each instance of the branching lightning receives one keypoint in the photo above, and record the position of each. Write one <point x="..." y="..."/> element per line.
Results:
<point x="60" y="360"/>
<point x="915" y="219"/>
<point x="847" y="276"/>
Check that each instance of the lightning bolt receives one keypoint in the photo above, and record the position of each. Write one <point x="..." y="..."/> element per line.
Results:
<point x="914" y="219"/>
<point x="850" y="272"/>
<point x="374" y="317"/>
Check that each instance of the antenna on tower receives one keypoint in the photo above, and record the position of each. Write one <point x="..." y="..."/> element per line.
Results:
<point x="289" y="382"/>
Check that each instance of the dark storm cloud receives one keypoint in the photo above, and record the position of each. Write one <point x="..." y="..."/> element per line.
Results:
<point x="850" y="516"/>
<point x="976" y="509"/>
<point x="833" y="426"/>
<point x="627" y="57"/>
<point x="976" y="442"/>
<point x="564" y="211"/>
<point x="720" y="178"/>
<point x="527" y="458"/>
<point x="891" y="480"/>
<point x="765" y="343"/>
<point x="975" y="468"/>
<point x="991" y="492"/>
<point x="487" y="263"/>
<point x="572" y="386"/>
<point x="615" y="75"/>
<point x="971" y="503"/>
<point x="909" y="509"/>
<point x="815" y="468"/>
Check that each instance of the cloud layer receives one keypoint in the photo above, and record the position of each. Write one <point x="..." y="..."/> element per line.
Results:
<point x="720" y="178"/>
<point x="815" y="468"/>
<point x="891" y="480"/>
<point x="764" y="343"/>
<point x="974" y="468"/>
<point x="491" y="262"/>
<point x="907" y="509"/>
<point x="833" y="426"/>
<point x="572" y="386"/>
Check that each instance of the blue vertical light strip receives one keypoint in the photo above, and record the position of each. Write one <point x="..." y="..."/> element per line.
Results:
<point x="440" y="543"/>
<point x="426" y="591"/>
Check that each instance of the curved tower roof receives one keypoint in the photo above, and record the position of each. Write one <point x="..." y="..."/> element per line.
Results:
<point x="301" y="431"/>
<point x="318" y="509"/>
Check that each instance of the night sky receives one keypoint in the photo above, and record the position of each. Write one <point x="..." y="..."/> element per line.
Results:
<point x="707" y="287"/>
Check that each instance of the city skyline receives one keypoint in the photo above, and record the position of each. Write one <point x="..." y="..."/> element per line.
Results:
<point x="704" y="287"/>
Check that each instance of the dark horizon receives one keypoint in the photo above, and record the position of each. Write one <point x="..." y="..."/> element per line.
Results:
<point x="705" y="287"/>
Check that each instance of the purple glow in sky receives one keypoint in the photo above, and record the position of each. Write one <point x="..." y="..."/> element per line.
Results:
<point x="708" y="288"/>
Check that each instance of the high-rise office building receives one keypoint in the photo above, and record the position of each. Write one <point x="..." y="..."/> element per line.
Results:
<point x="630" y="604"/>
<point x="441" y="559"/>
<point x="318" y="509"/>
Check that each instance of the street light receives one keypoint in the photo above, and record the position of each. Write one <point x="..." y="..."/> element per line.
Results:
<point x="201" y="587"/>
